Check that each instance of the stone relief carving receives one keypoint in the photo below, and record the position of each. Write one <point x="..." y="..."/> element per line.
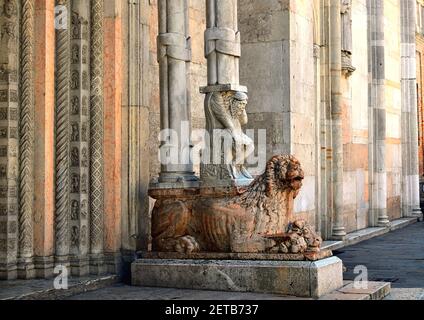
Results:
<point x="75" y="183"/>
<point x="84" y="158"/>
<point x="346" y="31"/>
<point x="83" y="235"/>
<point x="84" y="106"/>
<point x="75" y="157"/>
<point x="227" y="111"/>
<point x="9" y="37"/>
<point x="75" y="132"/>
<point x="75" y="211"/>
<point x="75" y="54"/>
<point x="257" y="219"/>
<point x="85" y="80"/>
<point x="84" y="208"/>
<point x="84" y="132"/>
<point x="75" y="236"/>
<point x="75" y="105"/>
<point x="84" y="183"/>
<point x="75" y="81"/>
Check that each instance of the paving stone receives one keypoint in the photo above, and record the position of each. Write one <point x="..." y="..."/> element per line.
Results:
<point x="345" y="296"/>
<point x="395" y="257"/>
<point x="376" y="290"/>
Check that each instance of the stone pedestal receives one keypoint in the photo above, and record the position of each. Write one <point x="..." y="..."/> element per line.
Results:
<point x="293" y="278"/>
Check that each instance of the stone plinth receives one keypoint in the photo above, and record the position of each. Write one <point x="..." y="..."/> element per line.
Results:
<point x="293" y="278"/>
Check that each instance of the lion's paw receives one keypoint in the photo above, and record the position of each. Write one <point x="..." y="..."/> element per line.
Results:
<point x="187" y="245"/>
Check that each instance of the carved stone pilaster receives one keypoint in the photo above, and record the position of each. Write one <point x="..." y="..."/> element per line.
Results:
<point x="62" y="245"/>
<point x="96" y="131"/>
<point x="26" y="142"/>
<point x="80" y="137"/>
<point x="9" y="140"/>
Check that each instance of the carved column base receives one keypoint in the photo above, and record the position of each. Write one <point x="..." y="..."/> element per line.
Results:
<point x="26" y="268"/>
<point x="44" y="267"/>
<point x="339" y="233"/>
<point x="8" y="272"/>
<point x="113" y="261"/>
<point x="80" y="266"/>
<point x="97" y="264"/>
<point x="62" y="261"/>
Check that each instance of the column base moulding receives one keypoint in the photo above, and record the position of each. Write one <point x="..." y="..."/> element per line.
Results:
<point x="44" y="267"/>
<point x="80" y="266"/>
<point x="97" y="264"/>
<point x="62" y="261"/>
<point x="8" y="271"/>
<point x="113" y="262"/>
<point x="26" y="269"/>
<point x="339" y="234"/>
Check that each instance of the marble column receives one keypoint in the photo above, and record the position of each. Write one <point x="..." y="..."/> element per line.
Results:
<point x="222" y="42"/>
<point x="112" y="138"/>
<point x="9" y="140"/>
<point x="378" y="174"/>
<point x="97" y="137"/>
<point x="410" y="175"/>
<point x="26" y="143"/>
<point x="79" y="137"/>
<point x="44" y="202"/>
<point x="174" y="56"/>
<point x="62" y="143"/>
<point x="339" y="231"/>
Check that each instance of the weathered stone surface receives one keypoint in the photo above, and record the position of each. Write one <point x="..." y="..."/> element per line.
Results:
<point x="236" y="222"/>
<point x="307" y="256"/>
<point x="303" y="279"/>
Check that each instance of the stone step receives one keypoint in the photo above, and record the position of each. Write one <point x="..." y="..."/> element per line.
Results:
<point x="374" y="291"/>
<point x="42" y="289"/>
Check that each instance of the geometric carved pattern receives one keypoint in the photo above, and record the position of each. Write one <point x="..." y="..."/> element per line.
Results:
<point x="96" y="127"/>
<point x="26" y="159"/>
<point x="9" y="166"/>
<point x="62" y="138"/>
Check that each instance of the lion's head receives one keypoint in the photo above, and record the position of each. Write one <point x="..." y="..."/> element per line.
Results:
<point x="282" y="173"/>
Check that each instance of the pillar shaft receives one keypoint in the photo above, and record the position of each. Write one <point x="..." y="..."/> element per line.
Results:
<point x="410" y="175"/>
<point x="80" y="136"/>
<point x="336" y="118"/>
<point x="9" y="140"/>
<point x="44" y="131"/>
<point x="113" y="139"/>
<point x="62" y="79"/>
<point x="174" y="55"/>
<point x="222" y="42"/>
<point x="97" y="138"/>
<point x="378" y="124"/>
<point x="26" y="143"/>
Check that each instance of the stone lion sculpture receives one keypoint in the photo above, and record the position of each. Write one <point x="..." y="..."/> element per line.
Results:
<point x="256" y="219"/>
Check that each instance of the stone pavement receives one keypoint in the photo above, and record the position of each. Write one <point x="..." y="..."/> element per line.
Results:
<point x="396" y="257"/>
